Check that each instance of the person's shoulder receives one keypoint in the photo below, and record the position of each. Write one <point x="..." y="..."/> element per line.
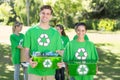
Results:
<point x="53" y="29"/>
<point x="11" y="35"/>
<point x="22" y="34"/>
<point x="72" y="41"/>
<point x="90" y="42"/>
<point x="34" y="27"/>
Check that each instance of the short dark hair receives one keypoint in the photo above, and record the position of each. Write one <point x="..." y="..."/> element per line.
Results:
<point x="80" y="24"/>
<point x="46" y="7"/>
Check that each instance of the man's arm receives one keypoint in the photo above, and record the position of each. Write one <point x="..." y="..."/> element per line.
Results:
<point x="32" y="63"/>
<point x="27" y="54"/>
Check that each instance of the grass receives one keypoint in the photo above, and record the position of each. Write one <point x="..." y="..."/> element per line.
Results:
<point x="107" y="43"/>
<point x="109" y="62"/>
<point x="6" y="67"/>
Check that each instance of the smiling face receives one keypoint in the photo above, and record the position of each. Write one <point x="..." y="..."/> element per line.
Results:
<point x="45" y="15"/>
<point x="81" y="31"/>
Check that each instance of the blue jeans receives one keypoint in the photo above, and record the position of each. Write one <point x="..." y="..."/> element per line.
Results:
<point x="17" y="72"/>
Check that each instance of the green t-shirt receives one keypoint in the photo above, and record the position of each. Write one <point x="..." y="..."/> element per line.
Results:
<point x="40" y="40"/>
<point x="72" y="53"/>
<point x="65" y="40"/>
<point x="15" y="41"/>
<point x="85" y="37"/>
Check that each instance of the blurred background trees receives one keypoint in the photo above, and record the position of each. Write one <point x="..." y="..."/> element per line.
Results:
<point x="98" y="14"/>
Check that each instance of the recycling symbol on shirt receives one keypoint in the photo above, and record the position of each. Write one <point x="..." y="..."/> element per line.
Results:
<point x="43" y="43"/>
<point x="82" y="69"/>
<point x="47" y="63"/>
<point x="21" y="42"/>
<point x="79" y="52"/>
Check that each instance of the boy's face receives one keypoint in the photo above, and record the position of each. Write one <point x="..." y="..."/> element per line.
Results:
<point x="81" y="31"/>
<point x="45" y="15"/>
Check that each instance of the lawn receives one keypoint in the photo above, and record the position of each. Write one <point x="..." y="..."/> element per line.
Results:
<point x="108" y="47"/>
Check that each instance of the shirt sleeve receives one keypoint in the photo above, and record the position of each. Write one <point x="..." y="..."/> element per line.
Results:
<point x="66" y="53"/>
<point x="59" y="43"/>
<point x="94" y="54"/>
<point x="13" y="41"/>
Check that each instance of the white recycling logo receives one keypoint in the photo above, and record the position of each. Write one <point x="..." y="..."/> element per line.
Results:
<point x="82" y="69"/>
<point x="21" y="42"/>
<point x="84" y="56"/>
<point x="47" y="63"/>
<point x="43" y="36"/>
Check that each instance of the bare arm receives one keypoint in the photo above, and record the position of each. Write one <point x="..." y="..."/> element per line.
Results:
<point x="31" y="62"/>
<point x="27" y="54"/>
<point x="60" y="52"/>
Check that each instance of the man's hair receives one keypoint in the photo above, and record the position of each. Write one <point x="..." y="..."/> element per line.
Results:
<point x="46" y="7"/>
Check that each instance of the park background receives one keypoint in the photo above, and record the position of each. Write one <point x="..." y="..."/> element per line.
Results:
<point x="101" y="16"/>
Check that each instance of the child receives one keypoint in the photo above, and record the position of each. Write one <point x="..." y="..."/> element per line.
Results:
<point x="74" y="47"/>
<point x="16" y="40"/>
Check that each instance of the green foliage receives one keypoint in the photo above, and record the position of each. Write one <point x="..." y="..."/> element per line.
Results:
<point x="21" y="10"/>
<point x="102" y="24"/>
<point x="105" y="9"/>
<point x="95" y="23"/>
<point x="5" y="13"/>
<point x="65" y="12"/>
<point x="93" y="12"/>
<point x="117" y="24"/>
<point x="106" y="25"/>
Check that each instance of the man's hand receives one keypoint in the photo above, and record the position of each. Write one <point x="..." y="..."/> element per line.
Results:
<point x="60" y="52"/>
<point x="33" y="64"/>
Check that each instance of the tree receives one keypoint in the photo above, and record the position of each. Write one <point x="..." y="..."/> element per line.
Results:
<point x="105" y="8"/>
<point x="5" y="12"/>
<point x="64" y="11"/>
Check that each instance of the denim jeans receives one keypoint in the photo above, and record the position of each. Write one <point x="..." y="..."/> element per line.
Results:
<point x="17" y="72"/>
<point x="25" y="73"/>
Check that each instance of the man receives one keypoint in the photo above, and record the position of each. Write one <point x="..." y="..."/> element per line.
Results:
<point x="42" y="38"/>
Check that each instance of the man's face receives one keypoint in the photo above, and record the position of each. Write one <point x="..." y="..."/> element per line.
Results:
<point x="45" y="15"/>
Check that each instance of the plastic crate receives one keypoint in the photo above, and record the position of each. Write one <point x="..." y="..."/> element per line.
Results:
<point x="77" y="69"/>
<point x="47" y="62"/>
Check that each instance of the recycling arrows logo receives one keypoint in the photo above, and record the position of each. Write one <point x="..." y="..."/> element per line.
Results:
<point x="84" y="56"/>
<point x="43" y="43"/>
<point x="47" y="63"/>
<point x="21" y="42"/>
<point x="82" y="69"/>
